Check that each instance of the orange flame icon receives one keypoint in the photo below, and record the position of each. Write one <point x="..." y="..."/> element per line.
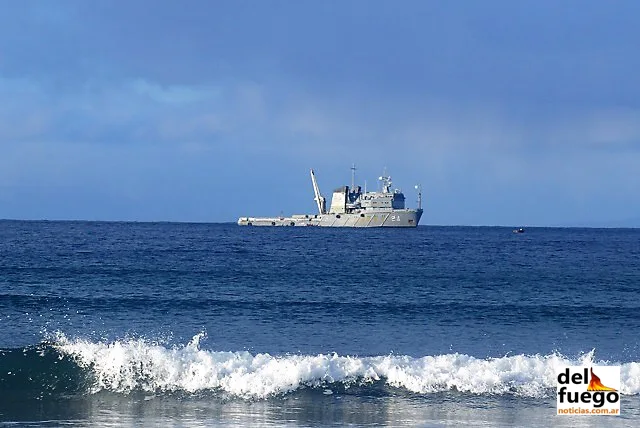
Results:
<point x="596" y="385"/>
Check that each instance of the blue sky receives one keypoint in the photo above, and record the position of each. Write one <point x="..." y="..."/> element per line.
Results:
<point x="507" y="113"/>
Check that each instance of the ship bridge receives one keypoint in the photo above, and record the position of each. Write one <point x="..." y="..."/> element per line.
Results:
<point x="346" y="200"/>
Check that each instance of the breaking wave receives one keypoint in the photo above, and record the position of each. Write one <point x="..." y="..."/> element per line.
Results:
<point x="66" y="366"/>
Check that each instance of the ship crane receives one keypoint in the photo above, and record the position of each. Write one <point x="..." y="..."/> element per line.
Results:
<point x="320" y="200"/>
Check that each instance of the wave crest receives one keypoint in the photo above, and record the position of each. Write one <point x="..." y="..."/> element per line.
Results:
<point x="132" y="365"/>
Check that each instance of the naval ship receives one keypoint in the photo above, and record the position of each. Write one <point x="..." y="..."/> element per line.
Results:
<point x="351" y="207"/>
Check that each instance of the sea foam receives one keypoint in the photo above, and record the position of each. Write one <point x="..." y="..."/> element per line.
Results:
<point x="124" y="366"/>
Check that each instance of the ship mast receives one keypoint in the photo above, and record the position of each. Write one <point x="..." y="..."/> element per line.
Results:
<point x="320" y="200"/>
<point x="386" y="181"/>
<point x="353" y="176"/>
<point x="419" y="189"/>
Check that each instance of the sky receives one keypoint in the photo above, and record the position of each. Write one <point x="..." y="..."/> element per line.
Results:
<point x="507" y="113"/>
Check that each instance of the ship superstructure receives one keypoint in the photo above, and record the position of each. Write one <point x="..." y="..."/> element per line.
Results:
<point x="352" y="207"/>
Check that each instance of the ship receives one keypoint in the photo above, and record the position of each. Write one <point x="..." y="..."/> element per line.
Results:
<point x="352" y="207"/>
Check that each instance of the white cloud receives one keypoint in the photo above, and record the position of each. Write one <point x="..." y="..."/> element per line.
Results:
<point x="604" y="128"/>
<point x="175" y="94"/>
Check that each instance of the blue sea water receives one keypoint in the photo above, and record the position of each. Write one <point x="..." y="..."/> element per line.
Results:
<point x="173" y="324"/>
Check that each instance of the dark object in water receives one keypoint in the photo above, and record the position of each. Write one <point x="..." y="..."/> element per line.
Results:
<point x="518" y="230"/>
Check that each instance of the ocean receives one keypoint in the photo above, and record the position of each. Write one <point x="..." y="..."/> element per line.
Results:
<point x="180" y="324"/>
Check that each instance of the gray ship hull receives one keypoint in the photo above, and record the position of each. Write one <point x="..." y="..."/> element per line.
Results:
<point x="393" y="218"/>
<point x="350" y="207"/>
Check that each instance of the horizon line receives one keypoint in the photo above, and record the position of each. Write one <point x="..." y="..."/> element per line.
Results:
<point x="578" y="226"/>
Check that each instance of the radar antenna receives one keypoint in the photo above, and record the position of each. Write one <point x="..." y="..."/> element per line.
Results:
<point x="386" y="181"/>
